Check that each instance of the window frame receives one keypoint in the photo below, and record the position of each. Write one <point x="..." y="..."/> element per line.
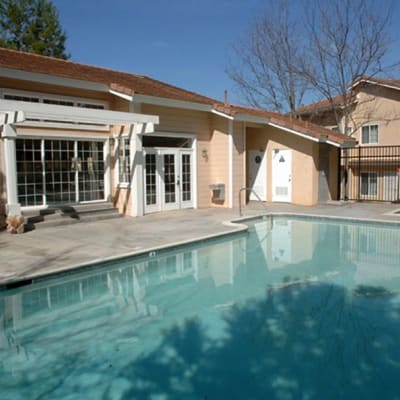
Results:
<point x="369" y="141"/>
<point x="126" y="155"/>
<point x="369" y="184"/>
<point x="48" y="98"/>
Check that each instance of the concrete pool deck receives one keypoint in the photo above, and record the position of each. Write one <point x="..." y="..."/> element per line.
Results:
<point x="46" y="251"/>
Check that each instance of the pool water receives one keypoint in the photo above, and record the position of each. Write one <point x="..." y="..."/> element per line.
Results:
<point x="292" y="309"/>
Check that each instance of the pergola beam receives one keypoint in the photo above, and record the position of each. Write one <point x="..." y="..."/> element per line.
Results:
<point x="67" y="114"/>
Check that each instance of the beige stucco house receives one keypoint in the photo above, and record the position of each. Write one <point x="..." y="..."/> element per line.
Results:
<point x="373" y="167"/>
<point x="74" y="134"/>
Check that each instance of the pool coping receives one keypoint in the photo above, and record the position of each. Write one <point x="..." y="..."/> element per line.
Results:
<point x="16" y="282"/>
<point x="238" y="225"/>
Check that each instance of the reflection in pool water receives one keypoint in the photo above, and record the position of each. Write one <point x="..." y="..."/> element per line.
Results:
<point x="292" y="309"/>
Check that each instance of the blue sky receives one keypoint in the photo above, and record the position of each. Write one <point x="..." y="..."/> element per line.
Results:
<point x="182" y="42"/>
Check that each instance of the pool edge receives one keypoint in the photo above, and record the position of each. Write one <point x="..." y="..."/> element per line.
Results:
<point x="238" y="225"/>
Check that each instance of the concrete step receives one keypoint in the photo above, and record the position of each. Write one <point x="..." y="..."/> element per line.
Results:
<point x="69" y="214"/>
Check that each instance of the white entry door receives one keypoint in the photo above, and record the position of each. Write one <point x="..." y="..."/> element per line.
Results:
<point x="168" y="179"/>
<point x="282" y="175"/>
<point x="257" y="174"/>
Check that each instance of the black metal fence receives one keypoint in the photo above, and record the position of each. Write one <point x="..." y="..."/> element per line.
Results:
<point x="370" y="173"/>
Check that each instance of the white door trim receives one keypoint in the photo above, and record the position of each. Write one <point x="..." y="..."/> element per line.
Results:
<point x="160" y="204"/>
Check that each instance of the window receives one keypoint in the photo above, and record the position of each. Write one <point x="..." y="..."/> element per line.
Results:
<point x="58" y="102"/>
<point x="369" y="134"/>
<point x="369" y="183"/>
<point x="124" y="168"/>
<point x="21" y="98"/>
<point x="31" y="97"/>
<point x="335" y="129"/>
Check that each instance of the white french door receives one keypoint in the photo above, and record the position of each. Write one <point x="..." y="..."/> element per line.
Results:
<point x="168" y="177"/>
<point x="170" y="180"/>
<point x="282" y="175"/>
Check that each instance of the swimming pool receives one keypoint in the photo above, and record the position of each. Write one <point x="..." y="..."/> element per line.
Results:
<point x="294" y="308"/>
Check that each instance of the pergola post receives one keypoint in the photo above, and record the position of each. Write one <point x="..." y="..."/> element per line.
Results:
<point x="9" y="136"/>
<point x="136" y="154"/>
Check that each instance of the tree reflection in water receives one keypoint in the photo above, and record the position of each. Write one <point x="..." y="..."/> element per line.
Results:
<point x="312" y="341"/>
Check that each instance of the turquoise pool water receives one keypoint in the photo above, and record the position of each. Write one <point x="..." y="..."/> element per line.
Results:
<point x="292" y="309"/>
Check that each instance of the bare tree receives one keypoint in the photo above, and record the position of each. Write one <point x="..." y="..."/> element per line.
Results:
<point x="315" y="46"/>
<point x="266" y="59"/>
<point x="347" y="39"/>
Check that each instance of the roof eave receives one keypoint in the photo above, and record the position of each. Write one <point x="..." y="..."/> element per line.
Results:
<point x="168" y="102"/>
<point x="243" y="117"/>
<point x="372" y="82"/>
<point x="52" y="80"/>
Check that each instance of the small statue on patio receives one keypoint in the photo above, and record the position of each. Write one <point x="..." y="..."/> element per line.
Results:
<point x="15" y="224"/>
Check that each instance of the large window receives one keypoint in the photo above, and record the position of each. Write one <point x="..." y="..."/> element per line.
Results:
<point x="57" y="171"/>
<point x="369" y="183"/>
<point x="124" y="168"/>
<point x="369" y="134"/>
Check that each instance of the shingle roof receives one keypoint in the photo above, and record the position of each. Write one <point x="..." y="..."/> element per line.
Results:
<point x="339" y="101"/>
<point x="130" y="84"/>
<point x="394" y="83"/>
<point x="321" y="105"/>
<point x="67" y="69"/>
<point x="285" y="121"/>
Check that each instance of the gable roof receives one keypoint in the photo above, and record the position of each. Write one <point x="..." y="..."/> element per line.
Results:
<point x="389" y="83"/>
<point x="322" y="105"/>
<point x="139" y="84"/>
<point x="339" y="101"/>
<point x="132" y="84"/>
<point x="290" y="124"/>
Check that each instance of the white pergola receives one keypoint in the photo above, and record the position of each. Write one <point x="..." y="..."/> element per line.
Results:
<point x="13" y="113"/>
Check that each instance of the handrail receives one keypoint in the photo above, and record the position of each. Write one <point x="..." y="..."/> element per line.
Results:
<point x="240" y="198"/>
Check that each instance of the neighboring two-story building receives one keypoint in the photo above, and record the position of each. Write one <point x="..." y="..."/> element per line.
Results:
<point x="75" y="134"/>
<point x="372" y="168"/>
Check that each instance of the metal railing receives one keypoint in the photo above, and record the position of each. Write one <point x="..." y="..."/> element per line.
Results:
<point x="245" y="189"/>
<point x="370" y="173"/>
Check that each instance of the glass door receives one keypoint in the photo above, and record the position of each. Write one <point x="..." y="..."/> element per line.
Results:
<point x="168" y="175"/>
<point x="90" y="174"/>
<point x="186" y="181"/>
<point x="151" y="180"/>
<point x="58" y="172"/>
<point x="170" y="180"/>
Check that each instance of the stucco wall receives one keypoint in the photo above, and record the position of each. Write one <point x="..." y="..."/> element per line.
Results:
<point x="189" y="122"/>
<point x="219" y="156"/>
<point x="304" y="161"/>
<point x="334" y="171"/>
<point x="239" y="161"/>
<point x="380" y="106"/>
<point x="2" y="188"/>
<point x="328" y="168"/>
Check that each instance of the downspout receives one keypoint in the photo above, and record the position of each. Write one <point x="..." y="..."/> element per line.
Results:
<point x="230" y="163"/>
